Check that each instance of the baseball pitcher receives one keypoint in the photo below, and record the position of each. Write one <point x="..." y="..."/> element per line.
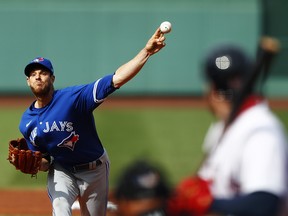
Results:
<point x="60" y="125"/>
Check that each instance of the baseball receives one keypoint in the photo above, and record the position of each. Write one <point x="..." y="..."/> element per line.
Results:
<point x="165" y="27"/>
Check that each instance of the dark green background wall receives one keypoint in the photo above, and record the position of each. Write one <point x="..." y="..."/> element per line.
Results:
<point x="274" y="21"/>
<point x="88" y="39"/>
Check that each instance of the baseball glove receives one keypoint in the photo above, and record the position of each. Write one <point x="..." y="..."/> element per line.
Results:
<point x="25" y="160"/>
<point x="191" y="197"/>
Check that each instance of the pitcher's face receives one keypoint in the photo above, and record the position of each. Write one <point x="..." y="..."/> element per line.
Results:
<point x="40" y="81"/>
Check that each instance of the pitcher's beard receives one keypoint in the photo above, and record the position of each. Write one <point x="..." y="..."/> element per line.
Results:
<point x="42" y="92"/>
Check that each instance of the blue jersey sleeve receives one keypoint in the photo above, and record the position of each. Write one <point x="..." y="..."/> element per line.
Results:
<point x="90" y="96"/>
<point x="103" y="88"/>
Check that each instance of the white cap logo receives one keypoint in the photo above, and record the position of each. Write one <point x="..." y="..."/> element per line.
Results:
<point x="222" y="62"/>
<point x="148" y="180"/>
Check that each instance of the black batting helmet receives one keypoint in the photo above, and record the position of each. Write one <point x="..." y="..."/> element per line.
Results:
<point x="226" y="67"/>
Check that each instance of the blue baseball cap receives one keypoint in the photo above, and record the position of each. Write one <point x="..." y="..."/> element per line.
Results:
<point x="46" y="63"/>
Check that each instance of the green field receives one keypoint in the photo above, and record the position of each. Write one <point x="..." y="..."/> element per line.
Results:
<point x="170" y="138"/>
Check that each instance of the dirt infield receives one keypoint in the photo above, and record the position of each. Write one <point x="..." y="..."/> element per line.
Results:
<point x="36" y="202"/>
<point x="24" y="202"/>
<point x="120" y="102"/>
<point x="140" y="101"/>
<point x="28" y="202"/>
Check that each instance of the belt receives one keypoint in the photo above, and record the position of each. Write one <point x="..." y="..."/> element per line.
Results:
<point x="87" y="166"/>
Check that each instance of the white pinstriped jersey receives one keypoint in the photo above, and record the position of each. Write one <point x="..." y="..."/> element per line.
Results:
<point x="251" y="156"/>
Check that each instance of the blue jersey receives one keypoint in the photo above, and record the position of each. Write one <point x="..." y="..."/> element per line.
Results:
<point x="65" y="128"/>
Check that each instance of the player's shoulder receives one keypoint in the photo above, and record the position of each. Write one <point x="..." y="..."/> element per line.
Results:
<point x="260" y="114"/>
<point x="259" y="117"/>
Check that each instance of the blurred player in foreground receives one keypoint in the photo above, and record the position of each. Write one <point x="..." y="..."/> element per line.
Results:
<point x="245" y="170"/>
<point x="142" y="190"/>
<point x="60" y="124"/>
